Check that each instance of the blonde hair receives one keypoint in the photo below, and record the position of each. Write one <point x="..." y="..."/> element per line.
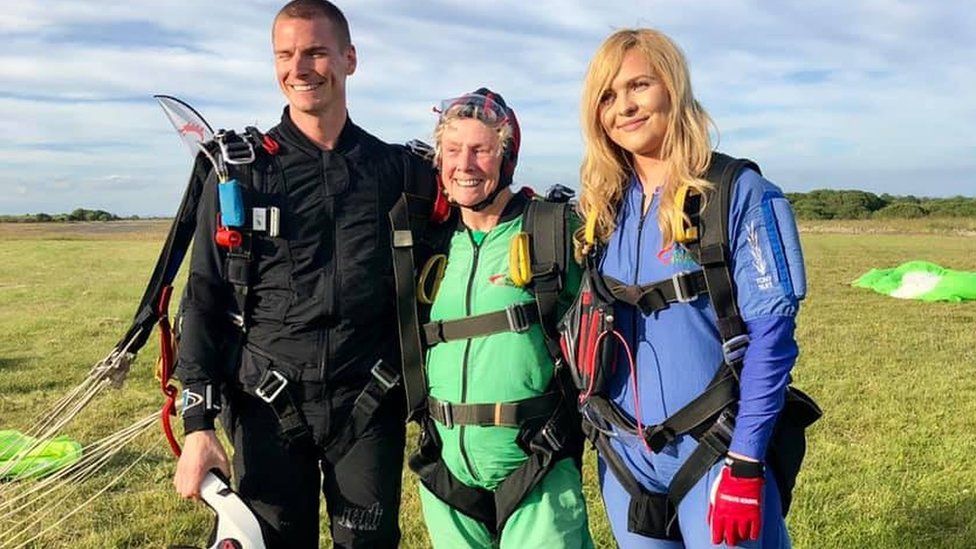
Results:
<point x="606" y="167"/>
<point x="461" y="111"/>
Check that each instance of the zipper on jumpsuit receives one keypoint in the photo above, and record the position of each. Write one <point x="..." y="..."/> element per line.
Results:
<point x="637" y="314"/>
<point x="467" y="348"/>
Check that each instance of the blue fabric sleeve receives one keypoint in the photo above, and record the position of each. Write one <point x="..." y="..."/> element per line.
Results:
<point x="765" y="374"/>
<point x="767" y="262"/>
<point x="767" y="266"/>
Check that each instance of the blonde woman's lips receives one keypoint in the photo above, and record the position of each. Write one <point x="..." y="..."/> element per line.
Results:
<point x="633" y="125"/>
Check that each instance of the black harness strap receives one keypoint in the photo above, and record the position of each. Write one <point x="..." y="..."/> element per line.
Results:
<point x="411" y="350"/>
<point x="515" y="318"/>
<point x="495" y="414"/>
<point x="648" y="514"/>
<point x="546" y="224"/>
<point x="650" y="298"/>
<point x="385" y="377"/>
<point x="170" y="258"/>
<point x="712" y="446"/>
<point x="712" y="250"/>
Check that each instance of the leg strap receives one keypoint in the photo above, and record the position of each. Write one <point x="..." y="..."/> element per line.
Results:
<point x="384" y="377"/>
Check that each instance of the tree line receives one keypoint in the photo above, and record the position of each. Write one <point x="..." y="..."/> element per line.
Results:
<point x="830" y="204"/>
<point x="819" y="204"/>
<point x="79" y="214"/>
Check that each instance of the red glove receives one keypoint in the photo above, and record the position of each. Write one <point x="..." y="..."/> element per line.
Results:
<point x="735" y="506"/>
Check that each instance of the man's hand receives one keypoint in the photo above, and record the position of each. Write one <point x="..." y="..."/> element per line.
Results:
<point x="201" y="453"/>
<point x="735" y="506"/>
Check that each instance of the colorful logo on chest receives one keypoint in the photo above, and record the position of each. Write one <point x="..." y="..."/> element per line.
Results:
<point x="677" y="256"/>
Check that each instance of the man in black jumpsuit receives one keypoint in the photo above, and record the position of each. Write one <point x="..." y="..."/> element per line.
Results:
<point x="320" y="306"/>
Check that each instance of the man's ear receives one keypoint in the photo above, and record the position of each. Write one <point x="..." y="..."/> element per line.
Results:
<point x="350" y="60"/>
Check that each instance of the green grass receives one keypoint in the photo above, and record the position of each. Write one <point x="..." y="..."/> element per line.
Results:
<point x="890" y="464"/>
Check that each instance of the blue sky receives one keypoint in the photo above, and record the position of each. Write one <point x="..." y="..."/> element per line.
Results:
<point x="876" y="95"/>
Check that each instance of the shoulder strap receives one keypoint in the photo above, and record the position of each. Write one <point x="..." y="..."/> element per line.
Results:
<point x="713" y="251"/>
<point x="546" y="224"/>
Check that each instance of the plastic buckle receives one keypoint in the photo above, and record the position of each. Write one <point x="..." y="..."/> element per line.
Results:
<point x="274" y="383"/>
<point x="657" y="437"/>
<point x="518" y="320"/>
<point x="383" y="375"/>
<point x="681" y="295"/>
<point x="735" y="348"/>
<point x="447" y="413"/>
<point x="235" y="149"/>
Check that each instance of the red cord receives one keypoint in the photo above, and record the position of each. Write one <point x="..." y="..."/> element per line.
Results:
<point x="633" y="380"/>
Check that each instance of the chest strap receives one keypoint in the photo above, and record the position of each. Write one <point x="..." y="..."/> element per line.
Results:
<point x="514" y="318"/>
<point x="650" y="298"/>
<point x="493" y="414"/>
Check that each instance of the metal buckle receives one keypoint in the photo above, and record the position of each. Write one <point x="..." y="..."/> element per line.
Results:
<point x="547" y="435"/>
<point x="518" y="320"/>
<point x="735" y="348"/>
<point x="447" y="413"/>
<point x="679" y="290"/>
<point x="380" y="373"/>
<point x="272" y="376"/>
<point x="238" y="151"/>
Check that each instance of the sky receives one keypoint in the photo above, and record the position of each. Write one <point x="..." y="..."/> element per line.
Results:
<point x="873" y="95"/>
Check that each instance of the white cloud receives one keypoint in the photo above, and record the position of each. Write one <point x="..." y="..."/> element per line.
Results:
<point x="871" y="94"/>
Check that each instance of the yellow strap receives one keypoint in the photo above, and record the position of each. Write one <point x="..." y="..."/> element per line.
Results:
<point x="438" y="262"/>
<point x="684" y="232"/>
<point x="520" y="261"/>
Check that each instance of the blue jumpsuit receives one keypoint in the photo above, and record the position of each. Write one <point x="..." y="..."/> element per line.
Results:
<point x="677" y="350"/>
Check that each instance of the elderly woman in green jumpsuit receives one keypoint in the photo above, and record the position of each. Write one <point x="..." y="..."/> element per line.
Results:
<point x="476" y="150"/>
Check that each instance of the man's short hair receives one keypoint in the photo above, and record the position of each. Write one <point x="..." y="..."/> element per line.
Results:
<point x="310" y="9"/>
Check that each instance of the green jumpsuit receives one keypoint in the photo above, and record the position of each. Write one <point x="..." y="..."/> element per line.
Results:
<point x="501" y="367"/>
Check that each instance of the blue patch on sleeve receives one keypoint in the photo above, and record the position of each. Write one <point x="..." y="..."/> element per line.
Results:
<point x="789" y="259"/>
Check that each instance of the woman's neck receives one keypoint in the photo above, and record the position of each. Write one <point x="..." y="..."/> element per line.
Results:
<point x="651" y="172"/>
<point x="486" y="219"/>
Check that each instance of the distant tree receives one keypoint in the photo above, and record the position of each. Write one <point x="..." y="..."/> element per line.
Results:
<point x="901" y="210"/>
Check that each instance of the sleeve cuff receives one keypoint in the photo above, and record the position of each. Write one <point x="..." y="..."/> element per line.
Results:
<point x="200" y="422"/>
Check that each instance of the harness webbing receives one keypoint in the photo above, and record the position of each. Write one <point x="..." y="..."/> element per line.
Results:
<point x="504" y="414"/>
<point x="516" y="318"/>
<point x="546" y="224"/>
<point x="650" y="298"/>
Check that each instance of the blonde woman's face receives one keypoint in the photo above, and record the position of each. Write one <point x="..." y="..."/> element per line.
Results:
<point x="634" y="110"/>
<point x="470" y="162"/>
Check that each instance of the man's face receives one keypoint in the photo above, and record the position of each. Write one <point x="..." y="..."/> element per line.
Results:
<point x="470" y="161"/>
<point x="311" y="64"/>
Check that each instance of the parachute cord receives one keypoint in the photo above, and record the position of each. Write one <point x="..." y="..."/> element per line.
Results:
<point x="84" y="504"/>
<point x="97" y="455"/>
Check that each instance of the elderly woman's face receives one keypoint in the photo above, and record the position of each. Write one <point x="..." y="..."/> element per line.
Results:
<point x="470" y="161"/>
<point x="634" y="110"/>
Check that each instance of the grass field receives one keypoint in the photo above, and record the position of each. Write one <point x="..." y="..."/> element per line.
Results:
<point x="890" y="465"/>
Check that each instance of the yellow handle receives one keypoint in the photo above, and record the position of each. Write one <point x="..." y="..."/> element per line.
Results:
<point x="589" y="232"/>
<point x="438" y="262"/>
<point x="520" y="261"/>
<point x="684" y="232"/>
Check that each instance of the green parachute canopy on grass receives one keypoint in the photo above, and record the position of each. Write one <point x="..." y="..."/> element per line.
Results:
<point x="22" y="456"/>
<point x="920" y="280"/>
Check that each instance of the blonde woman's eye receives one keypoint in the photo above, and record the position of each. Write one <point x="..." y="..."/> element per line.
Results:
<point x="641" y="85"/>
<point x="606" y="99"/>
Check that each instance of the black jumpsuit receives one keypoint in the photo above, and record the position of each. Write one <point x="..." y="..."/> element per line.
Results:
<point x="321" y="299"/>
